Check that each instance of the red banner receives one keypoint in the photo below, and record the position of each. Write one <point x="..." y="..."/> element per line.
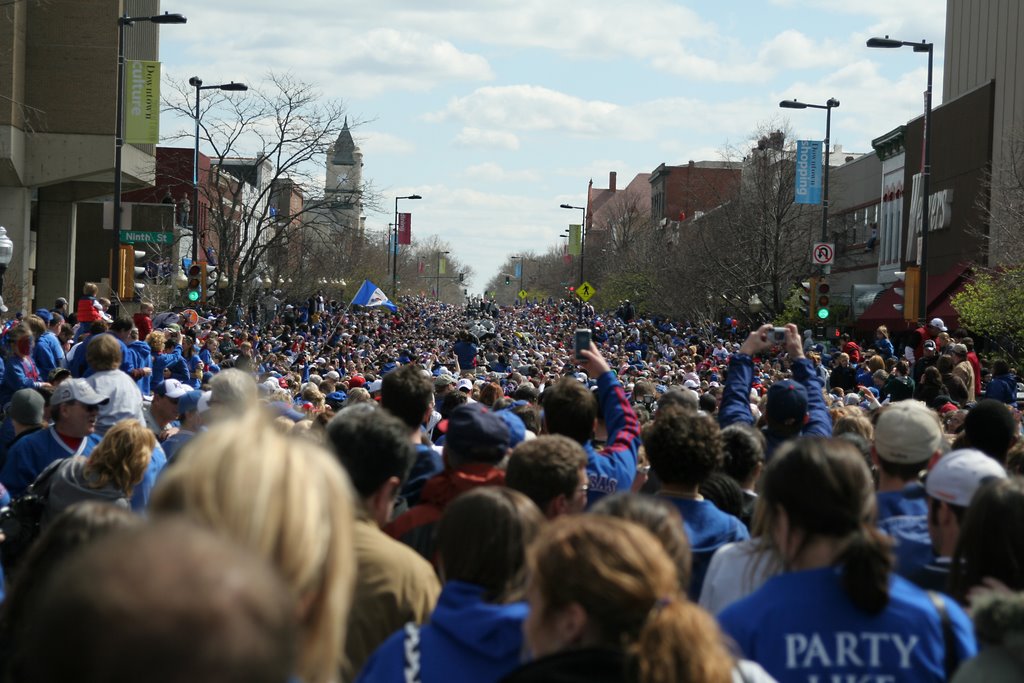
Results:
<point x="405" y="228"/>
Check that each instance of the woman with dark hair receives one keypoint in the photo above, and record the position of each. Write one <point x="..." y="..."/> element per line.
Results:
<point x="930" y="385"/>
<point x="606" y="605"/>
<point x="1003" y="385"/>
<point x="475" y="632"/>
<point x="989" y="546"/>
<point x="838" y="611"/>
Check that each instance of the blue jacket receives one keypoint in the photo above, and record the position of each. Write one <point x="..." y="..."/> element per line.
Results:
<point x="903" y="515"/>
<point x="143" y="359"/>
<point x="172" y="361"/>
<point x="30" y="455"/>
<point x="19" y="373"/>
<point x="427" y="464"/>
<point x="613" y="468"/>
<point x="1003" y="388"/>
<point x="466" y="640"/>
<point x="48" y="354"/>
<point x="801" y="626"/>
<point x="707" y="529"/>
<point x="79" y="367"/>
<point x="735" y="405"/>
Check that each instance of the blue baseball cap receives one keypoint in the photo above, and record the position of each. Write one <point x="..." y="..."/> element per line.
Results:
<point x="787" y="402"/>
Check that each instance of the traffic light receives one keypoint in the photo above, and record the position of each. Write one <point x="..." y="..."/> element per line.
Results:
<point x="210" y="275"/>
<point x="127" y="259"/>
<point x="462" y="277"/>
<point x="822" y="299"/>
<point x="807" y="298"/>
<point x="195" y="281"/>
<point x="508" y="280"/>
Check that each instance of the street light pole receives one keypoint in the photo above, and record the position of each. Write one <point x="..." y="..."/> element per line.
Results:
<point x="197" y="83"/>
<point x="926" y="164"/>
<point x="828" y="106"/>
<point x="394" y="248"/>
<point x="124" y="21"/>
<point x="583" y="236"/>
<point x="437" y="275"/>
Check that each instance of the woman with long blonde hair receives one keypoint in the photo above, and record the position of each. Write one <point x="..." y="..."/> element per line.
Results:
<point x="290" y="502"/>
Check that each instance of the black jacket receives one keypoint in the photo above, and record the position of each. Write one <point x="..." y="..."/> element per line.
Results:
<point x="594" y="665"/>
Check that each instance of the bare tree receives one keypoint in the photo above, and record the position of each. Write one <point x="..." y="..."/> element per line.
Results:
<point x="276" y="135"/>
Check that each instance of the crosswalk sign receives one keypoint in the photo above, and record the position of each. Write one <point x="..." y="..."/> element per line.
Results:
<point x="585" y="291"/>
<point x="522" y="294"/>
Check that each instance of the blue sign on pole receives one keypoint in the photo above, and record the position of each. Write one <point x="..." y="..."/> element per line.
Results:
<point x="808" y="172"/>
<point x="519" y="269"/>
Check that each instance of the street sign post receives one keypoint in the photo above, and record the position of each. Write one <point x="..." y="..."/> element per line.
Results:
<point x="137" y="236"/>
<point x="523" y="294"/>
<point x="823" y="253"/>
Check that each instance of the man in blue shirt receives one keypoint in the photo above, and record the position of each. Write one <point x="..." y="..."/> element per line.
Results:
<point x="907" y="436"/>
<point x="570" y="410"/>
<point x="795" y="406"/>
<point x="74" y="408"/>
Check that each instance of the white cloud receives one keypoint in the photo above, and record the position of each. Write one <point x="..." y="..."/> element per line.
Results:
<point x="495" y="139"/>
<point x="375" y="143"/>
<point x="492" y="172"/>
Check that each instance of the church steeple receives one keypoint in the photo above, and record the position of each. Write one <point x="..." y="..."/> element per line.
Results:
<point x="344" y="148"/>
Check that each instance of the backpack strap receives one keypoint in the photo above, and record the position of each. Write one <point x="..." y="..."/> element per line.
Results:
<point x="411" y="651"/>
<point x="950" y="660"/>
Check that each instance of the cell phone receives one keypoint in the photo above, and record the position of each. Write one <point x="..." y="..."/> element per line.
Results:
<point x="581" y="340"/>
<point x="778" y="334"/>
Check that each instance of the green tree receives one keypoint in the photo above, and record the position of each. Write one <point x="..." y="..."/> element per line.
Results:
<point x="993" y="305"/>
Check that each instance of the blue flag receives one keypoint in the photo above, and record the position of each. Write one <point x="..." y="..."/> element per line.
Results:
<point x="372" y="295"/>
<point x="808" y="172"/>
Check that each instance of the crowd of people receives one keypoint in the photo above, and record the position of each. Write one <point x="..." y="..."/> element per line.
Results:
<point x="319" y="492"/>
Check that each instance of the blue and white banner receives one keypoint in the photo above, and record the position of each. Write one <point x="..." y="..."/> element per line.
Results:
<point x="371" y="295"/>
<point x="808" y="172"/>
<point x="519" y="269"/>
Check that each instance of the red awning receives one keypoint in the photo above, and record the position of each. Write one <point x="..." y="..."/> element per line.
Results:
<point x="941" y="289"/>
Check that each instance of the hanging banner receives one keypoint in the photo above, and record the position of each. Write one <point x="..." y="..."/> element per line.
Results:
<point x="405" y="228"/>
<point x="442" y="266"/>
<point x="141" y="102"/>
<point x="519" y="269"/>
<point x="420" y="267"/>
<point x="574" y="239"/>
<point x="808" y="172"/>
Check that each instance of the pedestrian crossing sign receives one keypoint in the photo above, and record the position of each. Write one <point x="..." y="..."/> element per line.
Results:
<point x="585" y="291"/>
<point x="522" y="294"/>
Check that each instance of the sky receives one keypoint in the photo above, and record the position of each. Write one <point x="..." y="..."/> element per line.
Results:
<point x="498" y="111"/>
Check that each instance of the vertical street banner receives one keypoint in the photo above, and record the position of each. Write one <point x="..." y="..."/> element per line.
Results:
<point x="141" y="102"/>
<point x="420" y="266"/>
<point x="575" y="231"/>
<point x="405" y="228"/>
<point x="442" y="266"/>
<point x="519" y="269"/>
<point x="808" y="172"/>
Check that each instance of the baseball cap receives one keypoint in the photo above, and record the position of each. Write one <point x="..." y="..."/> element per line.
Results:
<point x="464" y="383"/>
<point x="691" y="384"/>
<point x="26" y="407"/>
<point x="192" y="402"/>
<point x="356" y="381"/>
<point x="170" y="388"/>
<point x="959" y="474"/>
<point x="374" y="386"/>
<point x="787" y="401"/>
<point x="77" y="389"/>
<point x="472" y="426"/>
<point x="443" y="380"/>
<point x="906" y="433"/>
<point x="929" y="344"/>
<point x="44" y="314"/>
<point x="937" y="322"/>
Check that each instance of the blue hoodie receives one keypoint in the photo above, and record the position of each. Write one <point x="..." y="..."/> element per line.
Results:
<point x="467" y="640"/>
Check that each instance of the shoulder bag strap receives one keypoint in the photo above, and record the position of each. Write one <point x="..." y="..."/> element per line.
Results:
<point x="948" y="637"/>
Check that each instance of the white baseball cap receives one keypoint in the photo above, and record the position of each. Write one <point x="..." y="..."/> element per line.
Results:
<point x="937" y="322"/>
<point x="959" y="474"/>
<point x="464" y="383"/>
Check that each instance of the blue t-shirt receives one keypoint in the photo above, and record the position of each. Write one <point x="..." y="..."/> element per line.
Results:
<point x="903" y="515"/>
<point x="707" y="529"/>
<point x="801" y="627"/>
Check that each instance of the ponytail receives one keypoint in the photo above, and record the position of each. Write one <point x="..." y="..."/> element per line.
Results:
<point x="679" y="643"/>
<point x="867" y="562"/>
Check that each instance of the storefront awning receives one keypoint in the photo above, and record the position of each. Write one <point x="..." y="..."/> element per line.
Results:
<point x="941" y="290"/>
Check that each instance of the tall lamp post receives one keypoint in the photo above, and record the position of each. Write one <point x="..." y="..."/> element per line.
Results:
<point x="6" y="254"/>
<point x="926" y="163"/>
<point x="522" y="269"/>
<point x="828" y="106"/>
<point x="437" y="275"/>
<point x="197" y="83"/>
<point x="394" y="247"/>
<point x="583" y="235"/>
<point x="124" y="21"/>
